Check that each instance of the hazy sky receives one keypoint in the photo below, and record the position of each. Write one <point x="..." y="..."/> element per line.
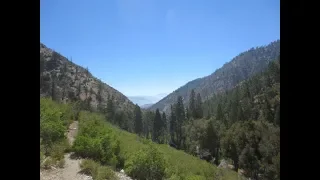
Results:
<point x="148" y="47"/>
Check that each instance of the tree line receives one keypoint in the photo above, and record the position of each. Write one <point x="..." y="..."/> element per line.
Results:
<point x="241" y="125"/>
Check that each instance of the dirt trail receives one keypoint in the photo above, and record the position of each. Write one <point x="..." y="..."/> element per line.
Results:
<point x="72" y="132"/>
<point x="71" y="168"/>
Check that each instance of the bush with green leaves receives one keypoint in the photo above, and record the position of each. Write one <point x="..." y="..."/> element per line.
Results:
<point x="96" y="171"/>
<point x="58" y="149"/>
<point x="95" y="140"/>
<point x="148" y="163"/>
<point x="88" y="167"/>
<point x="54" y="119"/>
<point x="47" y="163"/>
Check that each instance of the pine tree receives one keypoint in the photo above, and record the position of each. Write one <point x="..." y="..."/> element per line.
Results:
<point x="235" y="105"/>
<point x="274" y="70"/>
<point x="246" y="107"/>
<point x="234" y="112"/>
<point x="199" y="111"/>
<point x="192" y="104"/>
<point x="219" y="113"/>
<point x="267" y="80"/>
<point x="210" y="140"/>
<point x="64" y="70"/>
<point x="173" y="124"/>
<point x="146" y="120"/>
<point x="188" y="114"/>
<point x="246" y="91"/>
<point x="119" y="118"/>
<point x="241" y="116"/>
<point x="267" y="113"/>
<point x="157" y="126"/>
<point x="138" y="120"/>
<point x="180" y="115"/>
<point x="148" y="123"/>
<point x="110" y="109"/>
<point x="164" y="125"/>
<point x="99" y="97"/>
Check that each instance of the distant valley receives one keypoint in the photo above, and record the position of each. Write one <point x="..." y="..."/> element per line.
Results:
<point x="146" y="101"/>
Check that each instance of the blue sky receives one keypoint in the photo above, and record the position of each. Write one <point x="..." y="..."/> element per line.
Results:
<point x="148" y="47"/>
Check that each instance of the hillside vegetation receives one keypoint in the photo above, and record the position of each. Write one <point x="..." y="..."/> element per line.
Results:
<point x="54" y="120"/>
<point x="240" y="126"/>
<point x="225" y="78"/>
<point x="237" y="128"/>
<point x="114" y="148"/>
<point x="66" y="82"/>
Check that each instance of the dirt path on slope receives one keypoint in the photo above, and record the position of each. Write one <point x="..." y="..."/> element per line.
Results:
<point x="71" y="167"/>
<point x="72" y="132"/>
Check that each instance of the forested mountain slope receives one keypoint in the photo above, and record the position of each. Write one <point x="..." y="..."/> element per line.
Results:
<point x="241" y="125"/>
<point x="239" y="68"/>
<point x="65" y="81"/>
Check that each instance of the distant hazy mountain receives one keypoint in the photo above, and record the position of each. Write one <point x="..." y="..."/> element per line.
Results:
<point x="145" y="106"/>
<point x="147" y="101"/>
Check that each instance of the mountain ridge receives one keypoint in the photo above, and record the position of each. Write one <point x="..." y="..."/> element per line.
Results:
<point x="73" y="81"/>
<point x="226" y="77"/>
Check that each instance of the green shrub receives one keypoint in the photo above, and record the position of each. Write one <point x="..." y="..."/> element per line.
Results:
<point x="89" y="167"/>
<point x="61" y="163"/>
<point x="47" y="163"/>
<point x="121" y="162"/>
<point x="95" y="140"/>
<point x="87" y="147"/>
<point x="98" y="172"/>
<point x="57" y="150"/>
<point x="104" y="173"/>
<point x="51" y="132"/>
<point x="147" y="163"/>
<point x="53" y="117"/>
<point x="100" y="149"/>
<point x="179" y="164"/>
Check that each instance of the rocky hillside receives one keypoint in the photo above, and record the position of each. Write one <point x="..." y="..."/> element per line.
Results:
<point x="230" y="74"/>
<point x="66" y="81"/>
